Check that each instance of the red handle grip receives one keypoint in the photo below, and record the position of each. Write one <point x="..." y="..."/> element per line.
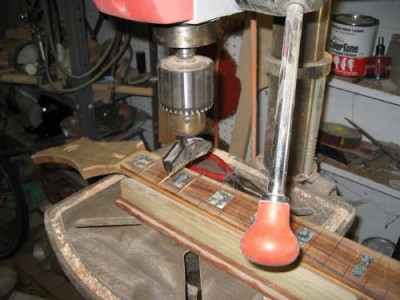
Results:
<point x="270" y="240"/>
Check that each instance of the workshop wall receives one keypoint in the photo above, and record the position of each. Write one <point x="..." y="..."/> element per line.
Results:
<point x="375" y="110"/>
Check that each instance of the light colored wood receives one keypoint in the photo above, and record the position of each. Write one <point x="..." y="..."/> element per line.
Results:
<point x="241" y="130"/>
<point x="124" y="89"/>
<point x="90" y="158"/>
<point x="97" y="87"/>
<point x="19" y="78"/>
<point x="221" y="246"/>
<point x="264" y="23"/>
<point x="93" y="159"/>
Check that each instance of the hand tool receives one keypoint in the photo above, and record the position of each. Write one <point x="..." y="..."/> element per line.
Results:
<point x="270" y="240"/>
<point x="377" y="143"/>
<point x="227" y="175"/>
<point x="225" y="170"/>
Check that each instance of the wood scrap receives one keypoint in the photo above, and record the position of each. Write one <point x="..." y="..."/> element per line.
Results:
<point x="88" y="157"/>
<point x="264" y="23"/>
<point x="19" y="78"/>
<point x="241" y="130"/>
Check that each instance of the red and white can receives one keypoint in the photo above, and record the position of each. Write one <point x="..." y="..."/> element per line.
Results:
<point x="351" y="42"/>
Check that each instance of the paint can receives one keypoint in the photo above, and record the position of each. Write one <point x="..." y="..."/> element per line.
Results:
<point x="351" y="42"/>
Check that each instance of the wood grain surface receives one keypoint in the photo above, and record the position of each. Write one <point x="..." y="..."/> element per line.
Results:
<point x="88" y="157"/>
<point x="210" y="218"/>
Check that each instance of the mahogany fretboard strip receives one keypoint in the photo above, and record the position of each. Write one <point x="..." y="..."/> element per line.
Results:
<point x="376" y="282"/>
<point x="155" y="173"/>
<point x="341" y="259"/>
<point x="140" y="161"/>
<point x="240" y="210"/>
<point x="352" y="264"/>
<point x="392" y="277"/>
<point x="361" y="267"/>
<point x="199" y="191"/>
<point x="320" y="247"/>
<point x="178" y="181"/>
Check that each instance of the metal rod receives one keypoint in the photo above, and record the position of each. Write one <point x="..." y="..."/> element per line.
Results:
<point x="309" y="93"/>
<point x="384" y="148"/>
<point x="253" y="29"/>
<point x="77" y="42"/>
<point x="285" y="100"/>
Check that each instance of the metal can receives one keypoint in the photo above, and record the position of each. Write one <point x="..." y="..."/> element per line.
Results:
<point x="351" y="42"/>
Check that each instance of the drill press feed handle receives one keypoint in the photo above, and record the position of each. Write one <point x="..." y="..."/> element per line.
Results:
<point x="270" y="240"/>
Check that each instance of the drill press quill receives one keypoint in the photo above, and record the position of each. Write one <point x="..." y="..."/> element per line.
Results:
<point x="185" y="89"/>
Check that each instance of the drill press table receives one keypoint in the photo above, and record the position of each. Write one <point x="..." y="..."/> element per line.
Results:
<point x="126" y="262"/>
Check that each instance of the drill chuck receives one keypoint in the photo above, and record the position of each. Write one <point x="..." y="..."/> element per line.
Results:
<point x="186" y="85"/>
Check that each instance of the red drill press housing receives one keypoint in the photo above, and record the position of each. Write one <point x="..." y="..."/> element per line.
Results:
<point x="149" y="11"/>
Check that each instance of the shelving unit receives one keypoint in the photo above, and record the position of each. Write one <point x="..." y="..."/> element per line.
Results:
<point x="366" y="103"/>
<point x="379" y="90"/>
<point x="377" y="110"/>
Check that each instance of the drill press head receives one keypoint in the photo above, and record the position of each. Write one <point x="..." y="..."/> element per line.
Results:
<point x="185" y="79"/>
<point x="185" y="89"/>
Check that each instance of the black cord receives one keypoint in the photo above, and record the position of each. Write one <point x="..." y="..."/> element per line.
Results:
<point x="92" y="80"/>
<point x="55" y="19"/>
<point x="50" y="41"/>
<point x="11" y="93"/>
<point x="114" y="68"/>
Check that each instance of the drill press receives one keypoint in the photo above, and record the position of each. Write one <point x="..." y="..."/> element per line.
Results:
<point x="185" y="86"/>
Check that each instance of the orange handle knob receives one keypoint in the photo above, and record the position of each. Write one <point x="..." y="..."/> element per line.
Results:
<point x="270" y="240"/>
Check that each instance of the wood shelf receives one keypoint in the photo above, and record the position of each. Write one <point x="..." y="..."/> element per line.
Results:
<point x="379" y="90"/>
